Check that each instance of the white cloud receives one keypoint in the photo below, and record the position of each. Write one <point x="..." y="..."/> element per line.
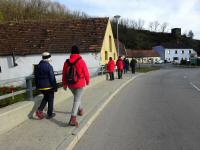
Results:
<point x="178" y="13"/>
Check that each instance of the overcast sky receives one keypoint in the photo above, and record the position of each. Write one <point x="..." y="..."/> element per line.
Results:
<point x="183" y="14"/>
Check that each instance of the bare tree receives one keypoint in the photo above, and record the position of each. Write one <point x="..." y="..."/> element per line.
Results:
<point x="151" y="26"/>
<point x="156" y="25"/>
<point x="163" y="26"/>
<point x="140" y="24"/>
<point x="133" y="24"/>
<point x="190" y="34"/>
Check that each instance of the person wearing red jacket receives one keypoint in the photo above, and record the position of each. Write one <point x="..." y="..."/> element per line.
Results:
<point x="120" y="67"/>
<point x="76" y="88"/>
<point x="111" y="68"/>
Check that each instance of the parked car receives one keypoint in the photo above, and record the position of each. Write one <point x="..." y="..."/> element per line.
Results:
<point x="159" y="62"/>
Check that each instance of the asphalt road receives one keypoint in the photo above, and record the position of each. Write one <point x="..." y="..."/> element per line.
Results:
<point x="158" y="111"/>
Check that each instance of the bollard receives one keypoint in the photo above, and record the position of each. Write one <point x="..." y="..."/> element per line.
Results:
<point x="29" y="87"/>
<point x="102" y="70"/>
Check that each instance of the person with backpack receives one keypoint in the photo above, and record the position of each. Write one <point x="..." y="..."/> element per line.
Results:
<point x="46" y="83"/>
<point x="111" y="68"/>
<point x="120" y="67"/>
<point x="75" y="76"/>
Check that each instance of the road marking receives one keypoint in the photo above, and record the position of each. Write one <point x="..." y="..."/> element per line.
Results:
<point x="82" y="130"/>
<point x="195" y="86"/>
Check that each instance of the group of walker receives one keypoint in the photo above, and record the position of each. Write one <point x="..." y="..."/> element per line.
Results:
<point x="122" y="65"/>
<point x="75" y="77"/>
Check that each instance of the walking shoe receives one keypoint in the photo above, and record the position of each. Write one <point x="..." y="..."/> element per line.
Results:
<point x="51" y="116"/>
<point x="80" y="112"/>
<point x="73" y="121"/>
<point x="40" y="114"/>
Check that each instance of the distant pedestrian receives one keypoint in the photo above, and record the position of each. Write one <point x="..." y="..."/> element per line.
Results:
<point x="75" y="76"/>
<point x="132" y="65"/>
<point x="46" y="83"/>
<point x="120" y="67"/>
<point x="111" y="68"/>
<point x="126" y="65"/>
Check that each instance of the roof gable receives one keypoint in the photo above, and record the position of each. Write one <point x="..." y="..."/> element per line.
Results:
<point x="55" y="37"/>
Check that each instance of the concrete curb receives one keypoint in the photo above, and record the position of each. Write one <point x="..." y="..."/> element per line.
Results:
<point x="73" y="139"/>
<point x="13" y="115"/>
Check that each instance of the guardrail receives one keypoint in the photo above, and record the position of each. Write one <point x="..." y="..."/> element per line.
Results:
<point x="27" y="81"/>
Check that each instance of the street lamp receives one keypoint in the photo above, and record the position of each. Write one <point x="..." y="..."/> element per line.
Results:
<point x="117" y="18"/>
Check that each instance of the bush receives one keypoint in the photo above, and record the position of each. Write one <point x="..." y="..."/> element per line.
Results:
<point x="198" y="62"/>
<point x="183" y="62"/>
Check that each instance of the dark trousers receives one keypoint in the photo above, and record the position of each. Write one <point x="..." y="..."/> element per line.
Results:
<point x="111" y="75"/>
<point x="125" y="70"/>
<point x="119" y="73"/>
<point x="133" y="69"/>
<point x="48" y="97"/>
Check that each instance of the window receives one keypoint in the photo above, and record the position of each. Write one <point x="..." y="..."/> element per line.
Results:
<point x="190" y="52"/>
<point x="175" y="58"/>
<point x="168" y="51"/>
<point x="182" y="52"/>
<point x="175" y="51"/>
<point x="110" y="43"/>
<point x="0" y="69"/>
<point x="106" y="55"/>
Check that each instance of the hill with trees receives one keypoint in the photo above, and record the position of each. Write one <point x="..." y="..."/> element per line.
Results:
<point x="22" y="10"/>
<point x="136" y="37"/>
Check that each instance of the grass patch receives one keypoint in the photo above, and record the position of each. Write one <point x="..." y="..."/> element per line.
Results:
<point x="10" y="100"/>
<point x="147" y="69"/>
<point x="16" y="98"/>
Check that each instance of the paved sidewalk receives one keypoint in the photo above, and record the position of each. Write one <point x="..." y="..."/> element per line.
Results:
<point x="54" y="134"/>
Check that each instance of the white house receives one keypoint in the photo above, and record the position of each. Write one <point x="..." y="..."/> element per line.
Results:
<point x="176" y="55"/>
<point x="144" y="56"/>
<point x="21" y="44"/>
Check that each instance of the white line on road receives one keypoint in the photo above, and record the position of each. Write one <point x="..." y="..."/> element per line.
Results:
<point x="195" y="86"/>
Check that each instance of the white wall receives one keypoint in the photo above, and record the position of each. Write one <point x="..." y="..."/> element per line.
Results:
<point x="170" y="54"/>
<point x="25" y="64"/>
<point x="147" y="59"/>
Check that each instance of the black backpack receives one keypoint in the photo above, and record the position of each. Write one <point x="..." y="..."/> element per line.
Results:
<point x="72" y="73"/>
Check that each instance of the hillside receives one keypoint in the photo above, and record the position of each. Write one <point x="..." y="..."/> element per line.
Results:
<point x="144" y="39"/>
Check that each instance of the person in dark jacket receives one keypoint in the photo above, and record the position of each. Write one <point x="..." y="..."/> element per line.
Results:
<point x="132" y="65"/>
<point x="126" y="65"/>
<point x="46" y="83"/>
<point x="120" y="67"/>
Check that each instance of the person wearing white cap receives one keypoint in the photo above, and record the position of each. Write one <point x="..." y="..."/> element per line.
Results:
<point x="46" y="83"/>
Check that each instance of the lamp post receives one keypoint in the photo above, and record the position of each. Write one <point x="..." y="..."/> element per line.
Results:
<point x="117" y="18"/>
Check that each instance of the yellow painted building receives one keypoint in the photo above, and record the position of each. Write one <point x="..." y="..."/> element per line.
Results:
<point x="108" y="47"/>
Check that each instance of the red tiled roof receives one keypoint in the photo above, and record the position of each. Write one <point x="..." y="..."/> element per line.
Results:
<point x="55" y="37"/>
<point x="142" y="53"/>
